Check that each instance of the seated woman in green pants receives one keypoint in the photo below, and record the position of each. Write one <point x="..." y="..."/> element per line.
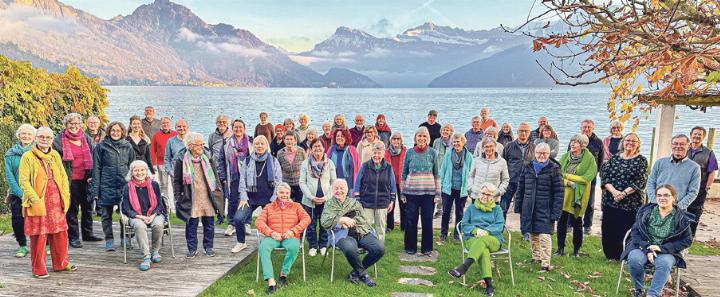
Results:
<point x="283" y="221"/>
<point x="482" y="227"/>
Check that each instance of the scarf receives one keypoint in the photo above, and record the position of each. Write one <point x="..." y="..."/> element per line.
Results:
<point x="135" y="202"/>
<point x="539" y="165"/>
<point x="251" y="171"/>
<point x="189" y="170"/>
<point x="349" y="159"/>
<point x="458" y="161"/>
<point x="394" y="152"/>
<point x="573" y="162"/>
<point x="485" y="207"/>
<point x="317" y="168"/>
<point x="66" y="137"/>
<point x="420" y="150"/>
<point x="447" y="143"/>
<point x="283" y="204"/>
<point x="239" y="152"/>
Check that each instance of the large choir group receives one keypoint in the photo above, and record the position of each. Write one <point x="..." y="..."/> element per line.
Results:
<point x="339" y="187"/>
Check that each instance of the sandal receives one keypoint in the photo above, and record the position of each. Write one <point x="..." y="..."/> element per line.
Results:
<point x="70" y="267"/>
<point x="41" y="276"/>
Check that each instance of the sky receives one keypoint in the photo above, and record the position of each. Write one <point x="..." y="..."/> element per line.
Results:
<point x="297" y="25"/>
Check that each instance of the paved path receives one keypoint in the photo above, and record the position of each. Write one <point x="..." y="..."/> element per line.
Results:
<point x="103" y="274"/>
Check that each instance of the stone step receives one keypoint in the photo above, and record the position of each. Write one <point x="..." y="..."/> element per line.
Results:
<point x="415" y="282"/>
<point x="419" y="270"/>
<point x="418" y="257"/>
<point x="410" y="294"/>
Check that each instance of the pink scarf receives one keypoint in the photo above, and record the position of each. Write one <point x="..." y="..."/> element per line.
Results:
<point x="67" y="136"/>
<point x="135" y="202"/>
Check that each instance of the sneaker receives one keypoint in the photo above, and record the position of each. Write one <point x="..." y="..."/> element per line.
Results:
<point x="526" y="237"/>
<point x="323" y="251"/>
<point x="238" y="247"/>
<point x="353" y="277"/>
<point x="545" y="269"/>
<point x="230" y="231"/>
<point x="312" y="252"/>
<point x="209" y="252"/>
<point x="271" y="289"/>
<point x="21" y="252"/>
<point x="41" y="276"/>
<point x="155" y="257"/>
<point x="110" y="245"/>
<point x="92" y="238"/>
<point x="442" y="239"/>
<point x="145" y="265"/>
<point x="191" y="254"/>
<point x="76" y="244"/>
<point x="586" y="230"/>
<point x="367" y="280"/>
<point x="282" y="281"/>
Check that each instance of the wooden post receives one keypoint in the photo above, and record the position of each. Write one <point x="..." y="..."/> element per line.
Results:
<point x="663" y="131"/>
<point x="711" y="138"/>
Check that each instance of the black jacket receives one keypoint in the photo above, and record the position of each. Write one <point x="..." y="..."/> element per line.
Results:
<point x="680" y="239"/>
<point x="375" y="186"/>
<point x="513" y="154"/>
<point x="111" y="165"/>
<point x="143" y="199"/>
<point x="142" y="152"/>
<point x="184" y="193"/>
<point x="539" y="198"/>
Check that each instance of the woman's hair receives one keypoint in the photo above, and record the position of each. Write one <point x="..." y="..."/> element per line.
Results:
<point x="70" y="116"/>
<point x="282" y="185"/>
<point x="113" y="124"/>
<point x="548" y="127"/>
<point x="378" y="146"/>
<point x="340" y="181"/>
<point x="490" y="187"/>
<point x="487" y="139"/>
<point x="421" y="130"/>
<point x="616" y="123"/>
<point x="25" y="127"/>
<point x="581" y="139"/>
<point x="261" y="137"/>
<point x="345" y="133"/>
<point x="193" y="136"/>
<point x="136" y="118"/>
<point x="637" y="149"/>
<point x="238" y="121"/>
<point x="135" y="164"/>
<point x="670" y="188"/>
<point x="542" y="146"/>
<point x="314" y="141"/>
<point x="448" y="126"/>
<point x="459" y="136"/>
<point x="396" y="134"/>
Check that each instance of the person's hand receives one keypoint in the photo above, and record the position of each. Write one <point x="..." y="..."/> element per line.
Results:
<point x="343" y="221"/>
<point x="391" y="206"/>
<point x="89" y="180"/>
<point x="436" y="200"/>
<point x="276" y="236"/>
<point x="481" y="233"/>
<point x="403" y="198"/>
<point x="243" y="203"/>
<point x="571" y="184"/>
<point x="318" y="200"/>
<point x="651" y="257"/>
<point x="350" y="223"/>
<point x="289" y="234"/>
<point x="8" y="199"/>
<point x="654" y="248"/>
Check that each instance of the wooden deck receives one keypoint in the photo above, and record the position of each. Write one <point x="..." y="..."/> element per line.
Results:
<point x="101" y="273"/>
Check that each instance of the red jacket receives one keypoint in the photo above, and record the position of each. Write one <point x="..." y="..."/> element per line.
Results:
<point x="157" y="146"/>
<point x="397" y="163"/>
<point x="275" y="219"/>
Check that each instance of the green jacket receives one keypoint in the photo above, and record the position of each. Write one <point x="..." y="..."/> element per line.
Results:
<point x="576" y="199"/>
<point x="334" y="210"/>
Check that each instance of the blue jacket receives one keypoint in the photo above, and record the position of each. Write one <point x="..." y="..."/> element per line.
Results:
<point x="492" y="222"/>
<point x="173" y="150"/>
<point x="679" y="239"/>
<point x="539" y="198"/>
<point x="376" y="187"/>
<point x="446" y="170"/>
<point x="12" y="164"/>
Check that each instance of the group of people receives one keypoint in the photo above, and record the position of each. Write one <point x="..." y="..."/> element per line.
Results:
<point x="347" y="182"/>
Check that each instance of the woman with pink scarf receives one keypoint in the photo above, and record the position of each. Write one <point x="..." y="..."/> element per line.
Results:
<point x="143" y="206"/>
<point x="75" y="147"/>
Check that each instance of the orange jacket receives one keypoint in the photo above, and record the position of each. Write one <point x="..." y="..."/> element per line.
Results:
<point x="274" y="219"/>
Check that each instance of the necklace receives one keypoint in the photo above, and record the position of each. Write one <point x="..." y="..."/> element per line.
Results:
<point x="262" y="169"/>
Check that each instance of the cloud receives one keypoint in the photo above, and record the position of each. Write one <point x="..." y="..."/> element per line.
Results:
<point x="378" y="53"/>
<point x="383" y="28"/>
<point x="19" y="17"/>
<point x="230" y="46"/>
<point x="420" y="53"/>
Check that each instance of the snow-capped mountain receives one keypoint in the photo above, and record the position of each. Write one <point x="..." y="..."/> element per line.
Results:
<point x="410" y="59"/>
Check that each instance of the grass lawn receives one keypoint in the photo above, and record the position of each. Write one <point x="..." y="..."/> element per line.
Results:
<point x="585" y="276"/>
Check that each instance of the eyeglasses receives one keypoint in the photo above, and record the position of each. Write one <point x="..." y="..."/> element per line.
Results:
<point x="486" y="194"/>
<point x="630" y="141"/>
<point x="523" y="131"/>
<point x="196" y="144"/>
<point x="542" y="153"/>
<point x="679" y="144"/>
<point x="44" y="137"/>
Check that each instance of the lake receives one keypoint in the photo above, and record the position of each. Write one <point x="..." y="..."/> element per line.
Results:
<point x="404" y="109"/>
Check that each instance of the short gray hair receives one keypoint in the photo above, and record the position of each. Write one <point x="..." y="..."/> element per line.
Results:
<point x="581" y="139"/>
<point x="491" y="130"/>
<point x="486" y="185"/>
<point x="459" y="136"/>
<point x="487" y="139"/>
<point x="681" y="136"/>
<point x="135" y="164"/>
<point x="421" y="130"/>
<point x="222" y="117"/>
<point x="25" y="127"/>
<point x="542" y="147"/>
<point x="589" y="121"/>
<point x="283" y="185"/>
<point x="45" y="129"/>
<point x="70" y="116"/>
<point x="378" y="146"/>
<point x="340" y="181"/>
<point x="261" y="137"/>
<point x="313" y="131"/>
<point x="448" y="126"/>
<point x="193" y="136"/>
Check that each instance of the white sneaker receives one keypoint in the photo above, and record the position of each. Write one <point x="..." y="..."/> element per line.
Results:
<point x="248" y="231"/>
<point x="323" y="251"/>
<point x="239" y="247"/>
<point x="312" y="252"/>
<point x="230" y="230"/>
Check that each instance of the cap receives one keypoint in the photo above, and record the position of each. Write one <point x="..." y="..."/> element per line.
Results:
<point x="433" y="112"/>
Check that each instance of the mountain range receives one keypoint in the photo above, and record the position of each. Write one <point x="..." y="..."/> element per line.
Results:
<point x="163" y="43"/>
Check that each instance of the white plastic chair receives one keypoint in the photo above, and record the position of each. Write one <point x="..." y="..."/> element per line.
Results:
<point x="502" y="254"/>
<point x="260" y="236"/>
<point x="648" y="270"/>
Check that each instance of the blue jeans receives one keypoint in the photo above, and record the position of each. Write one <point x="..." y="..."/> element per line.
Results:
<point x="208" y="233"/>
<point x="448" y="201"/>
<point x="663" y="266"/>
<point x="233" y="201"/>
<point x="243" y="216"/>
<point x="419" y="206"/>
<point x="314" y="227"/>
<point x="373" y="246"/>
<point x="508" y="196"/>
